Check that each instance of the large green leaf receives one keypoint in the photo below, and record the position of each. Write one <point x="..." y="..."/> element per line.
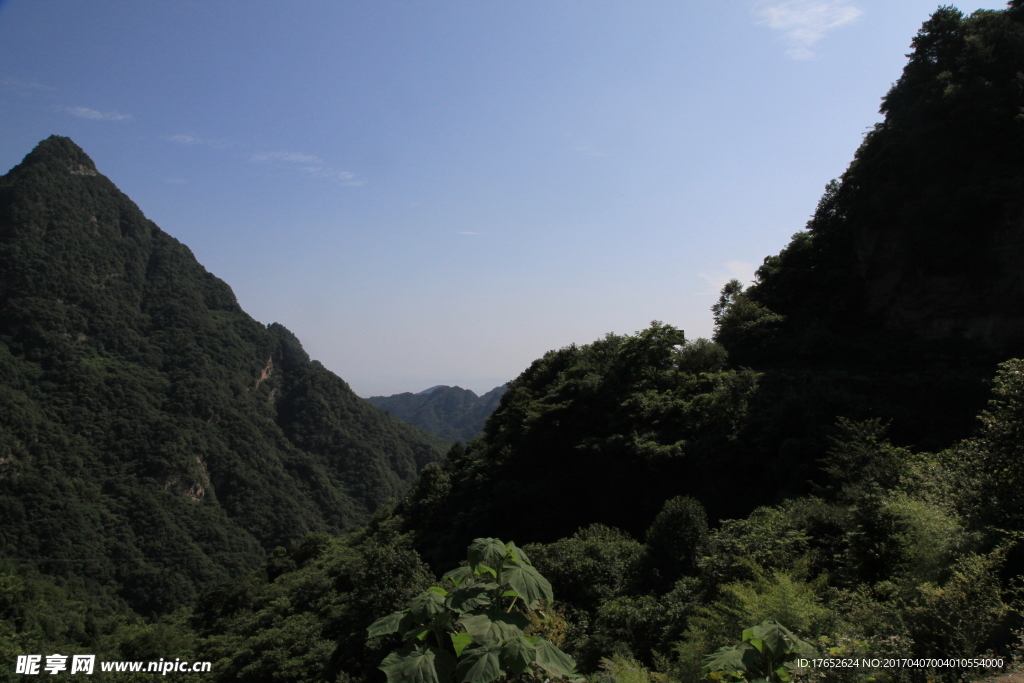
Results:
<point x="460" y="641"/>
<point x="481" y="664"/>
<point x="516" y="553"/>
<point x="493" y="626"/>
<point x="775" y="640"/>
<point x="460" y="575"/>
<point x="418" y="664"/>
<point x="486" y="551"/>
<point x="528" y="583"/>
<point x="553" y="660"/>
<point x="770" y="638"/>
<point x="391" y="623"/>
<point x="471" y="597"/>
<point x="426" y="605"/>
<point x="517" y="654"/>
<point x="732" y="659"/>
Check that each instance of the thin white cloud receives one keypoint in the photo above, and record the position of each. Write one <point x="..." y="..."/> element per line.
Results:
<point x="95" y="115"/>
<point x="344" y="177"/>
<point x="803" y="23"/>
<point x="24" y="85"/>
<point x="192" y="141"/>
<point x="313" y="166"/>
<point x="733" y="270"/>
<point x="286" y="157"/>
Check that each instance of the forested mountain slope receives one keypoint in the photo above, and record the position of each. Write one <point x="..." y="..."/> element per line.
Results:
<point x="152" y="435"/>
<point x="453" y="413"/>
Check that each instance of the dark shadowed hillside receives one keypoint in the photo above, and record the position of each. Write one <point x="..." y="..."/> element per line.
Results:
<point x="152" y="435"/>
<point x="924" y="232"/>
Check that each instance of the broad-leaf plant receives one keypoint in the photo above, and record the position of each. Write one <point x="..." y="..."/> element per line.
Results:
<point x="474" y="629"/>
<point x="769" y="653"/>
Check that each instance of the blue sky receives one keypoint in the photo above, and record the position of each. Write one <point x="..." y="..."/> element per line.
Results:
<point x="439" y="192"/>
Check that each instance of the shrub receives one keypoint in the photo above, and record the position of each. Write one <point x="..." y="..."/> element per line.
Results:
<point x="477" y="631"/>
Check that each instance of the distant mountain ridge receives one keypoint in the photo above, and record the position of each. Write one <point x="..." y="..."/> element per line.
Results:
<point x="153" y="436"/>
<point x="453" y="413"/>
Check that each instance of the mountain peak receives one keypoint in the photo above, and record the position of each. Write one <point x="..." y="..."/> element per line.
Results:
<point x="115" y="326"/>
<point x="61" y="153"/>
